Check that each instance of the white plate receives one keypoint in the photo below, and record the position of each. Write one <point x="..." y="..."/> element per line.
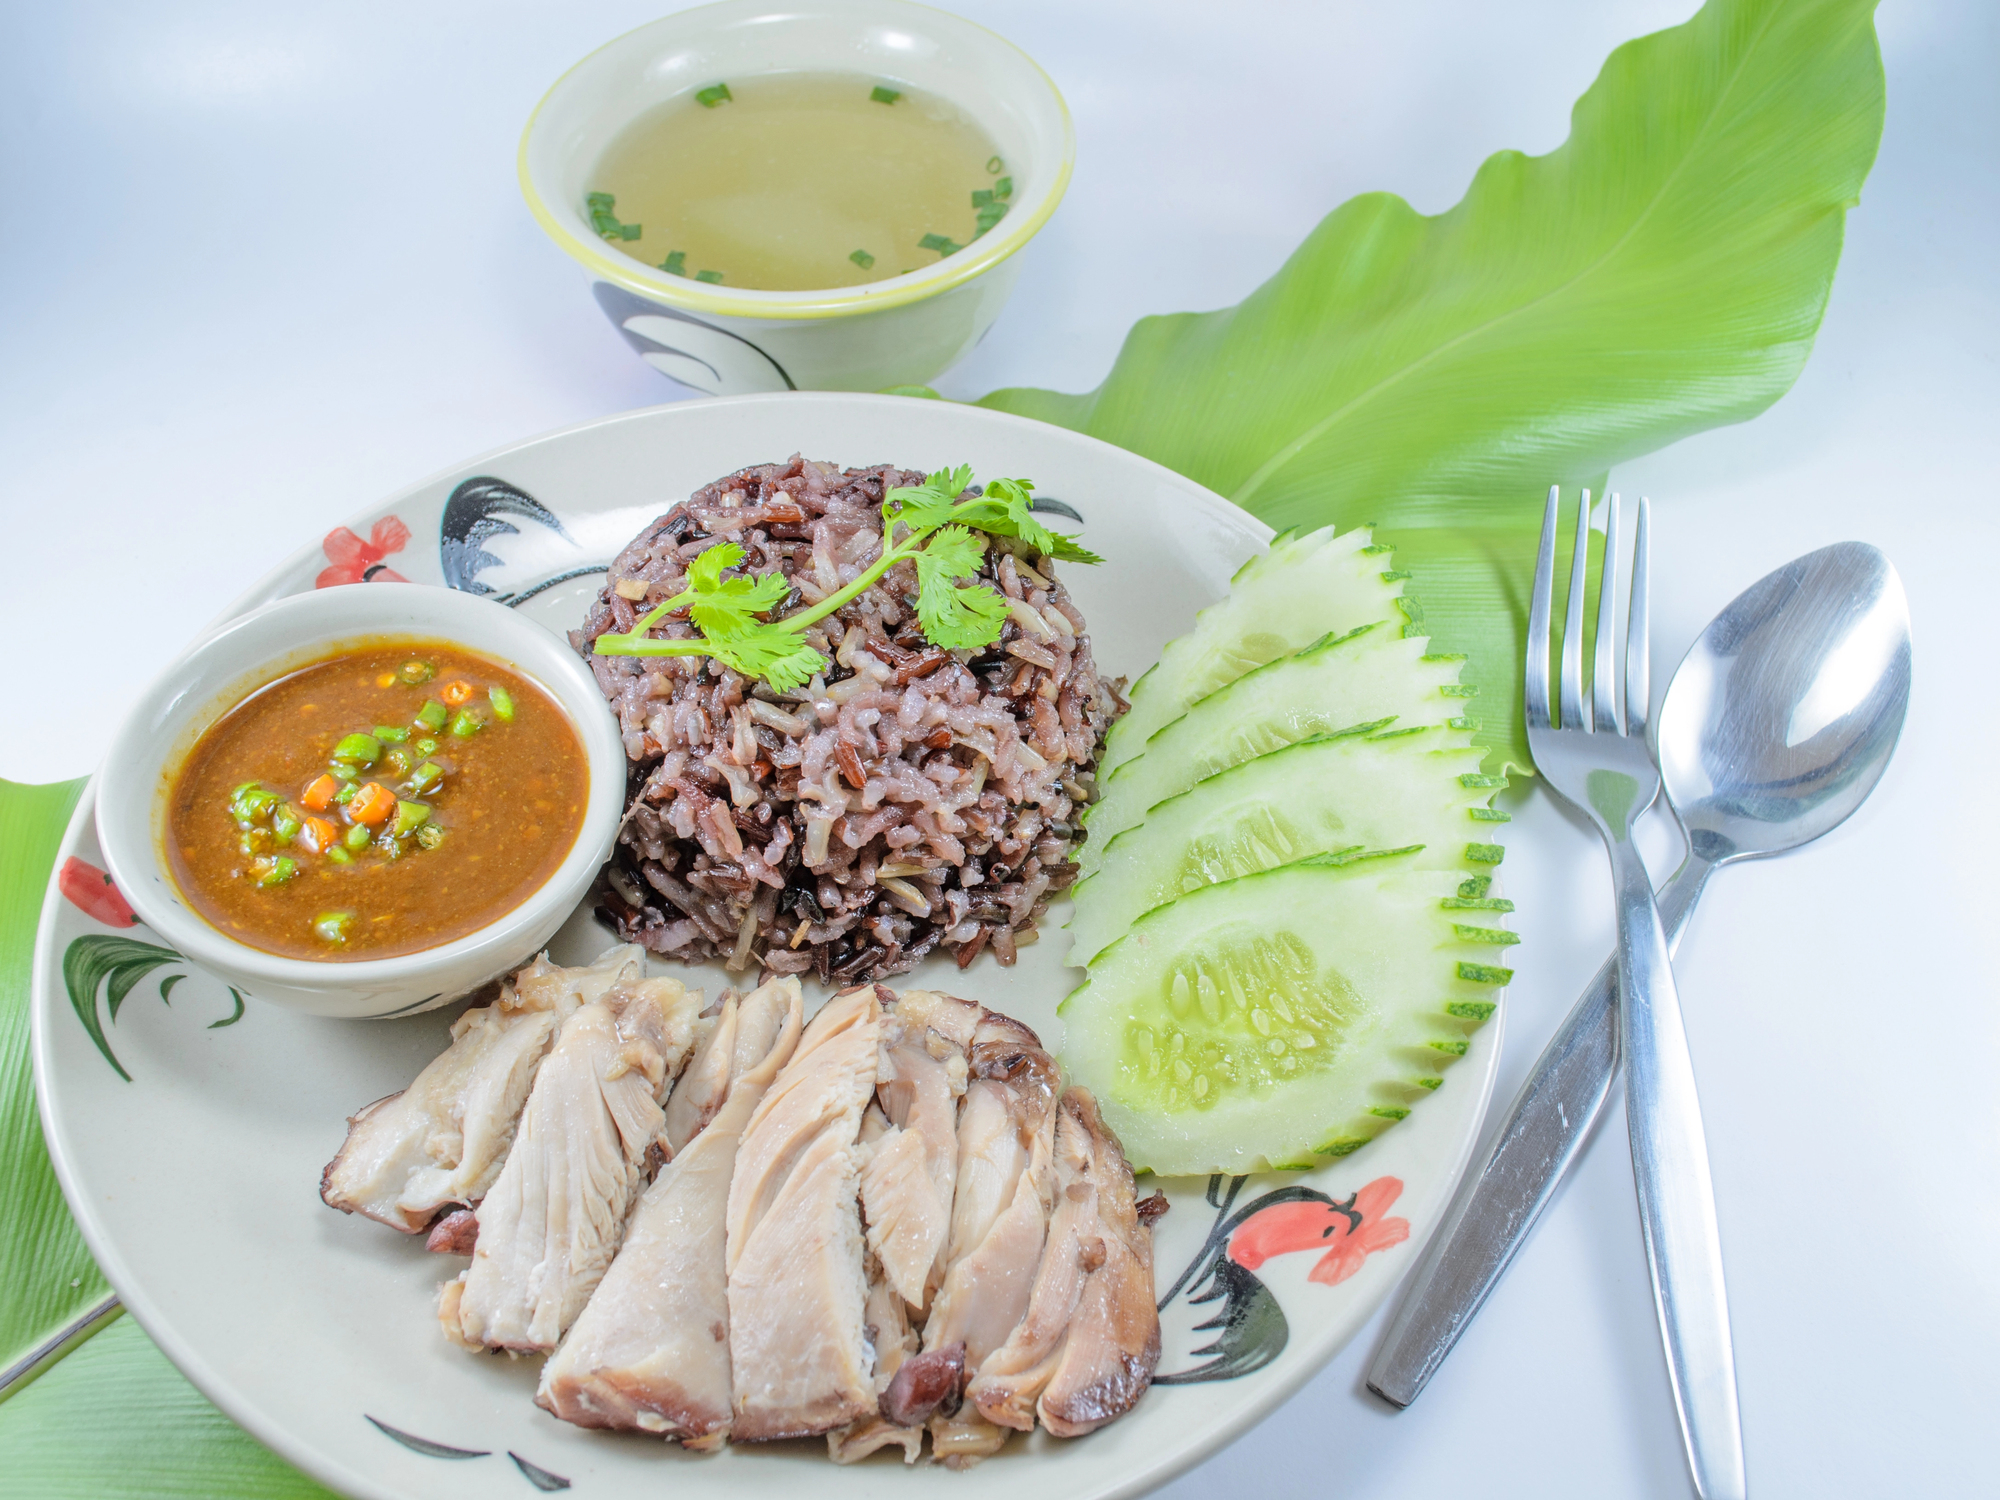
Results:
<point x="195" y="1178"/>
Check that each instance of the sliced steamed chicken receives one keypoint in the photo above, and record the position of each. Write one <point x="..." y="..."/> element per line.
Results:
<point x="650" y="1350"/>
<point x="443" y="1139"/>
<point x="552" y="1220"/>
<point x="1088" y="1346"/>
<point x="909" y="1139"/>
<point x="907" y="1185"/>
<point x="799" y="1356"/>
<point x="885" y="1221"/>
<point x="885" y="1322"/>
<point x="999" y="1221"/>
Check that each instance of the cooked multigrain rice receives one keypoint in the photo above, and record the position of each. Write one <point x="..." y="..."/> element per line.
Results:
<point x="916" y="797"/>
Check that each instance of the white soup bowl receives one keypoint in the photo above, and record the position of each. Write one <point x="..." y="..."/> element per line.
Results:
<point x="734" y="341"/>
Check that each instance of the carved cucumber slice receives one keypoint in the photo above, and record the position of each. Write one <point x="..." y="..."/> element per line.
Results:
<point x="1368" y="680"/>
<point x="1324" y="795"/>
<point x="1310" y="584"/>
<point x="1280" y="1019"/>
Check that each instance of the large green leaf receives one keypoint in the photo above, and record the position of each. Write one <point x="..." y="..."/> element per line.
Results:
<point x="116" y="1421"/>
<point x="1661" y="272"/>
<point x="47" y="1278"/>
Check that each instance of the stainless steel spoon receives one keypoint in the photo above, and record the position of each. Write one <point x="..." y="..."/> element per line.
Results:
<point x="1776" y="727"/>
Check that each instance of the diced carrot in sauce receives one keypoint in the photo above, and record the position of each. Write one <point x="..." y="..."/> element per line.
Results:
<point x="456" y="694"/>
<point x="318" y="795"/>
<point x="372" y="805"/>
<point x="318" y="835"/>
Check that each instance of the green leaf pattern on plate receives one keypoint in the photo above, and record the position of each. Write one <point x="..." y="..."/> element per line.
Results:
<point x="114" y="964"/>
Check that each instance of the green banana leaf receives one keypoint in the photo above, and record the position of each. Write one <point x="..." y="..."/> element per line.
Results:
<point x="113" y="1420"/>
<point x="116" y="1421"/>
<point x="1661" y="272"/>
<point x="48" y="1277"/>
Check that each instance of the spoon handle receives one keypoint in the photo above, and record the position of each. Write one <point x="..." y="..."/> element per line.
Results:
<point x="1499" y="1201"/>
<point x="1676" y="1194"/>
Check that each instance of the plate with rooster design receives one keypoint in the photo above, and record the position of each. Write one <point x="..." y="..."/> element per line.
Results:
<point x="189" y="1123"/>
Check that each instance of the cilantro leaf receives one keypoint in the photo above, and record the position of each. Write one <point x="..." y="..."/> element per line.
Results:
<point x="725" y="606"/>
<point x="952" y="554"/>
<point x="771" y="652"/>
<point x="927" y="506"/>
<point x="736" y="603"/>
<point x="956" y="618"/>
<point x="1013" y="499"/>
<point x="705" y="572"/>
<point x="1004" y="510"/>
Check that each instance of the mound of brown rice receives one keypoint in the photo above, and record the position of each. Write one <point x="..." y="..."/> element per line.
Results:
<point x="915" y="797"/>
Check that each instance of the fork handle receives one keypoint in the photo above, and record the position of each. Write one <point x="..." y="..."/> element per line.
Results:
<point x="1676" y="1196"/>
<point x="1501" y="1198"/>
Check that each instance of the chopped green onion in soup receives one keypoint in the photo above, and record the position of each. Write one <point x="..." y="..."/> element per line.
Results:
<point x="776" y="191"/>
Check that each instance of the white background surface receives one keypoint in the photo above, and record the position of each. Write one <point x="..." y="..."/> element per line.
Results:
<point x="262" y="264"/>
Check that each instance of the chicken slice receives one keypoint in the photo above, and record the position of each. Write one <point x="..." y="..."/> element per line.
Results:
<point x="651" y="1350"/>
<point x="552" y="1221"/>
<point x="907" y="1184"/>
<point x="444" y="1138"/>
<point x="886" y="1325"/>
<point x="798" y="1347"/>
<point x="1000" y="1214"/>
<point x="1114" y="1334"/>
<point x="700" y="1093"/>
<point x="1087" y="1348"/>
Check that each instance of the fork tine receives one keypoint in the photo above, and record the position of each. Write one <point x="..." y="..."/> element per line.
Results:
<point x="1604" y="661"/>
<point x="1574" y="714"/>
<point x="1638" y="650"/>
<point x="1535" y="681"/>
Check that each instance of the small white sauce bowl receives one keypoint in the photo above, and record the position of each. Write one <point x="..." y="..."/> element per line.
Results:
<point x="733" y="341"/>
<point x="236" y="658"/>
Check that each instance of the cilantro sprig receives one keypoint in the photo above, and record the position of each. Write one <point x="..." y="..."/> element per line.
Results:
<point x="929" y="524"/>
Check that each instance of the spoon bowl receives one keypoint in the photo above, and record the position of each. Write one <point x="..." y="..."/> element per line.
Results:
<point x="1787" y="708"/>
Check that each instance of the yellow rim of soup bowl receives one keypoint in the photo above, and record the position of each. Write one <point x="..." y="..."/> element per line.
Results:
<point x="953" y="270"/>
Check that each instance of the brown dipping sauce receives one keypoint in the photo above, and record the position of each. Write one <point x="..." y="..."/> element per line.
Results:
<point x="281" y="831"/>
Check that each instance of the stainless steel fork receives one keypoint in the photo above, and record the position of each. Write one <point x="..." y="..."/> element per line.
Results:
<point x="1601" y="763"/>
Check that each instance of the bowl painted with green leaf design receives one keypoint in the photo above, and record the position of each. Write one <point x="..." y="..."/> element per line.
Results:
<point x="934" y="299"/>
